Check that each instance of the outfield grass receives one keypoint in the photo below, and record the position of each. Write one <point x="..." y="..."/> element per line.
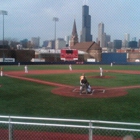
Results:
<point x="117" y="79"/>
<point x="24" y="98"/>
<point x="52" y="67"/>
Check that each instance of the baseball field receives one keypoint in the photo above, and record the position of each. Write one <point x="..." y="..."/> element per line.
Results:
<point x="53" y="91"/>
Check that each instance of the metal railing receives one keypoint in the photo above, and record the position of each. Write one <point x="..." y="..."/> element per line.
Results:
<point x="33" y="128"/>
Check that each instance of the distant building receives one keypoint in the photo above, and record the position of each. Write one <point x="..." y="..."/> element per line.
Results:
<point x="5" y="45"/>
<point x="101" y="35"/>
<point x="45" y="43"/>
<point x="51" y="44"/>
<point x="117" y="44"/>
<point x="133" y="44"/>
<point x="110" y="47"/>
<point x="102" y="43"/>
<point x="35" y="41"/>
<point x="133" y="55"/>
<point x="24" y="43"/>
<point x="139" y="43"/>
<point x="126" y="40"/>
<point x="67" y="39"/>
<point x="127" y="37"/>
<point x="19" y="46"/>
<point x="5" y="42"/>
<point x="86" y="25"/>
<point x="134" y="39"/>
<point x="60" y="43"/>
<point x="107" y="40"/>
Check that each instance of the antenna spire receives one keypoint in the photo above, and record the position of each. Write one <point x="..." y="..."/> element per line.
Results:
<point x="85" y="2"/>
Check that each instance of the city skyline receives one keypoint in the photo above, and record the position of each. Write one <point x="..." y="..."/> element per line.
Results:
<point x="27" y="19"/>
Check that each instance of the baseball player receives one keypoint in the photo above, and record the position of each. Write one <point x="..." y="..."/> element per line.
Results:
<point x="89" y="88"/>
<point x="101" y="71"/>
<point x="70" y="67"/>
<point x="1" y="71"/>
<point x="26" y="69"/>
<point x="81" y="78"/>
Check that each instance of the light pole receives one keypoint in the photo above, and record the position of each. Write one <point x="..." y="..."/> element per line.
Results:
<point x="2" y="12"/>
<point x="55" y="19"/>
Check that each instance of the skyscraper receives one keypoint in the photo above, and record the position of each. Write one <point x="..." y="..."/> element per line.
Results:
<point x="67" y="39"/>
<point x="117" y="44"/>
<point x="126" y="40"/>
<point x="101" y="34"/>
<point x="35" y="41"/>
<point x="107" y="39"/>
<point x="127" y="37"/>
<point x="86" y="25"/>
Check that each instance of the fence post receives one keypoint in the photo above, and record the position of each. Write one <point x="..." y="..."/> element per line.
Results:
<point x="10" y="130"/>
<point x="90" y="130"/>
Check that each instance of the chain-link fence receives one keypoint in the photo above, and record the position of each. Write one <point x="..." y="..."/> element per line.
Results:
<point x="29" y="128"/>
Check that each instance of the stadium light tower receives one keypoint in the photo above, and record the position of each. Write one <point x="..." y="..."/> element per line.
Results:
<point x="55" y="19"/>
<point x="3" y="13"/>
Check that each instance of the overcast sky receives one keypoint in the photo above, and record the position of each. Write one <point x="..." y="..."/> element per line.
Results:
<point x="33" y="18"/>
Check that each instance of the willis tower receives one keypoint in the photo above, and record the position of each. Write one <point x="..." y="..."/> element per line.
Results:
<point x="86" y="25"/>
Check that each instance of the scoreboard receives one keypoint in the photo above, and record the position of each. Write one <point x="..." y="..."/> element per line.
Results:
<point x="69" y="55"/>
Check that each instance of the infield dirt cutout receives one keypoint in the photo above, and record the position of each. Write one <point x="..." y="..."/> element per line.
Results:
<point x="98" y="92"/>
